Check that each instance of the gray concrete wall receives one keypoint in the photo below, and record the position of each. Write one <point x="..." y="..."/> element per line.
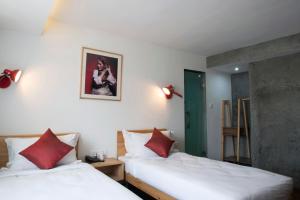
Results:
<point x="265" y="50"/>
<point x="275" y="105"/>
<point x="239" y="88"/>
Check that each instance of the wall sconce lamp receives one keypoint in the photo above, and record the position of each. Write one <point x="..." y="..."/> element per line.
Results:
<point x="9" y="75"/>
<point x="169" y="91"/>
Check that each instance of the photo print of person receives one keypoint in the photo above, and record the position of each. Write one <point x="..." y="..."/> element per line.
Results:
<point x="100" y="75"/>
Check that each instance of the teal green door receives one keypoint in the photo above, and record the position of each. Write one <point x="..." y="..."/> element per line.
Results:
<point x="195" y="112"/>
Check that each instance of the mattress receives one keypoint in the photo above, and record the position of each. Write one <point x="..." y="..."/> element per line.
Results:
<point x="78" y="181"/>
<point x="189" y="177"/>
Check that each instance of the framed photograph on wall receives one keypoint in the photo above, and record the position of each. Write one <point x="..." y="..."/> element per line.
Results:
<point x="101" y="75"/>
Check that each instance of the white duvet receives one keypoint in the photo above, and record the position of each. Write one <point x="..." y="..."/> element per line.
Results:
<point x="77" y="181"/>
<point x="188" y="177"/>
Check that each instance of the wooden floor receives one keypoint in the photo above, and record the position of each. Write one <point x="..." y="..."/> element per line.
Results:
<point x="138" y="192"/>
<point x="243" y="160"/>
<point x="296" y="195"/>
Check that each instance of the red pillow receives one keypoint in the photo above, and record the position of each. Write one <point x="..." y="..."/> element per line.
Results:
<point x="47" y="151"/>
<point x="159" y="143"/>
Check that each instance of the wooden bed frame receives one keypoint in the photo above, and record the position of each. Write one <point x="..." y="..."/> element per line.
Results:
<point x="4" y="151"/>
<point x="152" y="191"/>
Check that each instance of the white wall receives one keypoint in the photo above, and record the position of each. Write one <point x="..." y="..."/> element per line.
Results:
<point x="218" y="88"/>
<point x="48" y="93"/>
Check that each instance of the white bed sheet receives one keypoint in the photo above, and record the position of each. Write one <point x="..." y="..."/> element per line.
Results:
<point x="78" y="181"/>
<point x="189" y="177"/>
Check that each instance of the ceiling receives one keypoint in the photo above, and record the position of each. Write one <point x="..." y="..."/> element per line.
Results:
<point x="26" y="16"/>
<point x="205" y="27"/>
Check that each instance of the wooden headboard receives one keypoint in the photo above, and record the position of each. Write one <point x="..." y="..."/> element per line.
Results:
<point x="121" y="150"/>
<point x="3" y="147"/>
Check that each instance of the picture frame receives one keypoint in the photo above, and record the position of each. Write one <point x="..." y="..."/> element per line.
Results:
<point x="101" y="74"/>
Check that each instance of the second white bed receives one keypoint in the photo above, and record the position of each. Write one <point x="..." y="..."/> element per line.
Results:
<point x="77" y="181"/>
<point x="188" y="177"/>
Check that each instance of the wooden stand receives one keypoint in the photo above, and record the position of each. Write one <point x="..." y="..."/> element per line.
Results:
<point x="234" y="132"/>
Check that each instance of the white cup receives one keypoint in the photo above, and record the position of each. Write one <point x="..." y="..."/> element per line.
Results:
<point x="100" y="155"/>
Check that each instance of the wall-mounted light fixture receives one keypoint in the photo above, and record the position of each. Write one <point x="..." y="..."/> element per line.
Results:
<point x="169" y="91"/>
<point x="9" y="75"/>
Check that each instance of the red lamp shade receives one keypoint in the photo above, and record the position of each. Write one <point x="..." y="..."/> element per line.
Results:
<point x="14" y="75"/>
<point x="169" y="91"/>
<point x="9" y="75"/>
<point x="4" y="81"/>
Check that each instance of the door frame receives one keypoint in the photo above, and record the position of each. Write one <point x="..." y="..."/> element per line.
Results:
<point x="204" y="107"/>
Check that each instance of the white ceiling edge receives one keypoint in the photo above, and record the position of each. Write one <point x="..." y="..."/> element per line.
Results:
<point x="30" y="16"/>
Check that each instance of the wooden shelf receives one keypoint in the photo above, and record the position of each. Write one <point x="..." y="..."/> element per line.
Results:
<point x="107" y="162"/>
<point x="243" y="160"/>
<point x="235" y="132"/>
<point x="232" y="131"/>
<point x="111" y="167"/>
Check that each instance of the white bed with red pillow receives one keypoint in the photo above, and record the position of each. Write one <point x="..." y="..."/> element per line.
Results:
<point x="46" y="168"/>
<point x="15" y="145"/>
<point x="76" y="181"/>
<point x="184" y="176"/>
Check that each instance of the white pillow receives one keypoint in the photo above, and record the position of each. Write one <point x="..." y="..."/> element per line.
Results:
<point x="134" y="144"/>
<point x="16" y="145"/>
<point x="70" y="139"/>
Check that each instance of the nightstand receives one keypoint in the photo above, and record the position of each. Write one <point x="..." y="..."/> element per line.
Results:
<point x="111" y="167"/>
